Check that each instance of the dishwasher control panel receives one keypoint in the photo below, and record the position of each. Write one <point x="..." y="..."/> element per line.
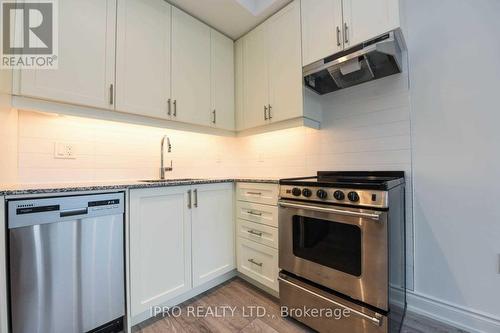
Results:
<point x="27" y="212"/>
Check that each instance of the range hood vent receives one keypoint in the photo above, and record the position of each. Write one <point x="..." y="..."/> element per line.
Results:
<point x="375" y="59"/>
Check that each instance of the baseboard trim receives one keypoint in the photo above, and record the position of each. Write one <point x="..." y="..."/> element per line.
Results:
<point x="452" y="314"/>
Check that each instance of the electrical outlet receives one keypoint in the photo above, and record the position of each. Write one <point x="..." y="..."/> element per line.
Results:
<point x="64" y="150"/>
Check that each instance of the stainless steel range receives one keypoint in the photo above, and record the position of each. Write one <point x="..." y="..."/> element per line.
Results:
<point x="342" y="250"/>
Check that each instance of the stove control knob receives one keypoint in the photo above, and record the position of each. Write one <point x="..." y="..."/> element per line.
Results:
<point x="296" y="191"/>
<point x="322" y="194"/>
<point x="306" y="192"/>
<point x="353" y="196"/>
<point x="339" y="195"/>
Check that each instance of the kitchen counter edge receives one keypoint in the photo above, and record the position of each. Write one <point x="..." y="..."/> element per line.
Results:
<point x="28" y="189"/>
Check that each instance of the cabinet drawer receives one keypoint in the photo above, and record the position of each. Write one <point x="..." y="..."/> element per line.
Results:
<point x="259" y="233"/>
<point x="258" y="262"/>
<point x="258" y="193"/>
<point x="257" y="213"/>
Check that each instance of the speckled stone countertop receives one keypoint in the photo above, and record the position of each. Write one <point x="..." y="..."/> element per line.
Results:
<point x="41" y="188"/>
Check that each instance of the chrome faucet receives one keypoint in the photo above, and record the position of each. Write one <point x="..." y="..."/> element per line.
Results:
<point x="162" y="167"/>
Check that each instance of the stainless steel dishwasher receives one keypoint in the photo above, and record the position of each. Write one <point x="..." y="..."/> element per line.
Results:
<point x="66" y="264"/>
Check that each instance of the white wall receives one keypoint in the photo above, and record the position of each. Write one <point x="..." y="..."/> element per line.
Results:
<point x="8" y="139"/>
<point x="455" y="86"/>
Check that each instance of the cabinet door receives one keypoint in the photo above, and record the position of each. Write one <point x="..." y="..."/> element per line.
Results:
<point x="213" y="232"/>
<point x="238" y="84"/>
<point x="285" y="70"/>
<point x="86" y="57"/>
<point x="190" y="69"/>
<point x="255" y="77"/>
<point x="369" y="19"/>
<point x="321" y="29"/>
<point x="143" y="57"/>
<point x="160" y="246"/>
<point x="222" y="87"/>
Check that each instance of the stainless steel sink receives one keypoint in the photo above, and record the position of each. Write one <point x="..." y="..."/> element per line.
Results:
<point x="166" y="180"/>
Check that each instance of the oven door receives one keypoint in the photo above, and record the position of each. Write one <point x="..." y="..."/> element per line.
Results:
<point x="344" y="249"/>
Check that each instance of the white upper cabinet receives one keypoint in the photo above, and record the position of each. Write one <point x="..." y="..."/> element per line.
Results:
<point x="331" y="26"/>
<point x="322" y="28"/>
<point x="213" y="232"/>
<point x="190" y="69"/>
<point x="285" y="64"/>
<point x="86" y="70"/>
<point x="364" y="20"/>
<point x="222" y="81"/>
<point x="271" y="62"/>
<point x="143" y="58"/>
<point x="255" y="78"/>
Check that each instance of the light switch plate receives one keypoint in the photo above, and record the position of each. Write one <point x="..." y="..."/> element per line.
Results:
<point x="64" y="150"/>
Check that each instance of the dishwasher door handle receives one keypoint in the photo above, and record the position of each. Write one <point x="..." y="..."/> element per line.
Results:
<point x="74" y="212"/>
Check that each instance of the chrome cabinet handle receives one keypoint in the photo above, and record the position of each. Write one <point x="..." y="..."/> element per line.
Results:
<point x="189" y="199"/>
<point x="255" y="193"/>
<point x="270" y="116"/>
<point x="254" y="213"/>
<point x="111" y="94"/>
<point x="169" y="102"/>
<point x="255" y="262"/>
<point x="195" y="198"/>
<point x="373" y="320"/>
<point x="265" y="112"/>
<point x="373" y="216"/>
<point x="338" y="36"/>
<point x="175" y="108"/>
<point x="256" y="233"/>
<point x="214" y="114"/>
<point x="346" y="33"/>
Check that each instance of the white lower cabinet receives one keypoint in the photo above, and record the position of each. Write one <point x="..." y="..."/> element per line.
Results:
<point x="257" y="232"/>
<point x="213" y="232"/>
<point x="258" y="262"/>
<point x="160" y="246"/>
<point x="180" y="238"/>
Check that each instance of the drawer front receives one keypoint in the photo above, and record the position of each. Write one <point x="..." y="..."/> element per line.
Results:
<point x="258" y="262"/>
<point x="258" y="193"/>
<point x="296" y="294"/>
<point x="258" y="233"/>
<point x="257" y="213"/>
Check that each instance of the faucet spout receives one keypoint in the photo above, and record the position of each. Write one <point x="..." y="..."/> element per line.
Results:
<point x="163" y="169"/>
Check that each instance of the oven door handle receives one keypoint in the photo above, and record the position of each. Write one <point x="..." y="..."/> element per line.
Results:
<point x="374" y="216"/>
<point x="377" y="320"/>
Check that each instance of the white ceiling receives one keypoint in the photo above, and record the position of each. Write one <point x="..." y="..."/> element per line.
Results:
<point x="232" y="17"/>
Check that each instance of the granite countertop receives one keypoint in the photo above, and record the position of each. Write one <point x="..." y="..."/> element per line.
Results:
<point x="40" y="188"/>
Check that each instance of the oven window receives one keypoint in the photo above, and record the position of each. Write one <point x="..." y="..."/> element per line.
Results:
<point x="328" y="243"/>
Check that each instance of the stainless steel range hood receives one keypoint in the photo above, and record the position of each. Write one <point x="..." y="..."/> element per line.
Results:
<point x="374" y="59"/>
